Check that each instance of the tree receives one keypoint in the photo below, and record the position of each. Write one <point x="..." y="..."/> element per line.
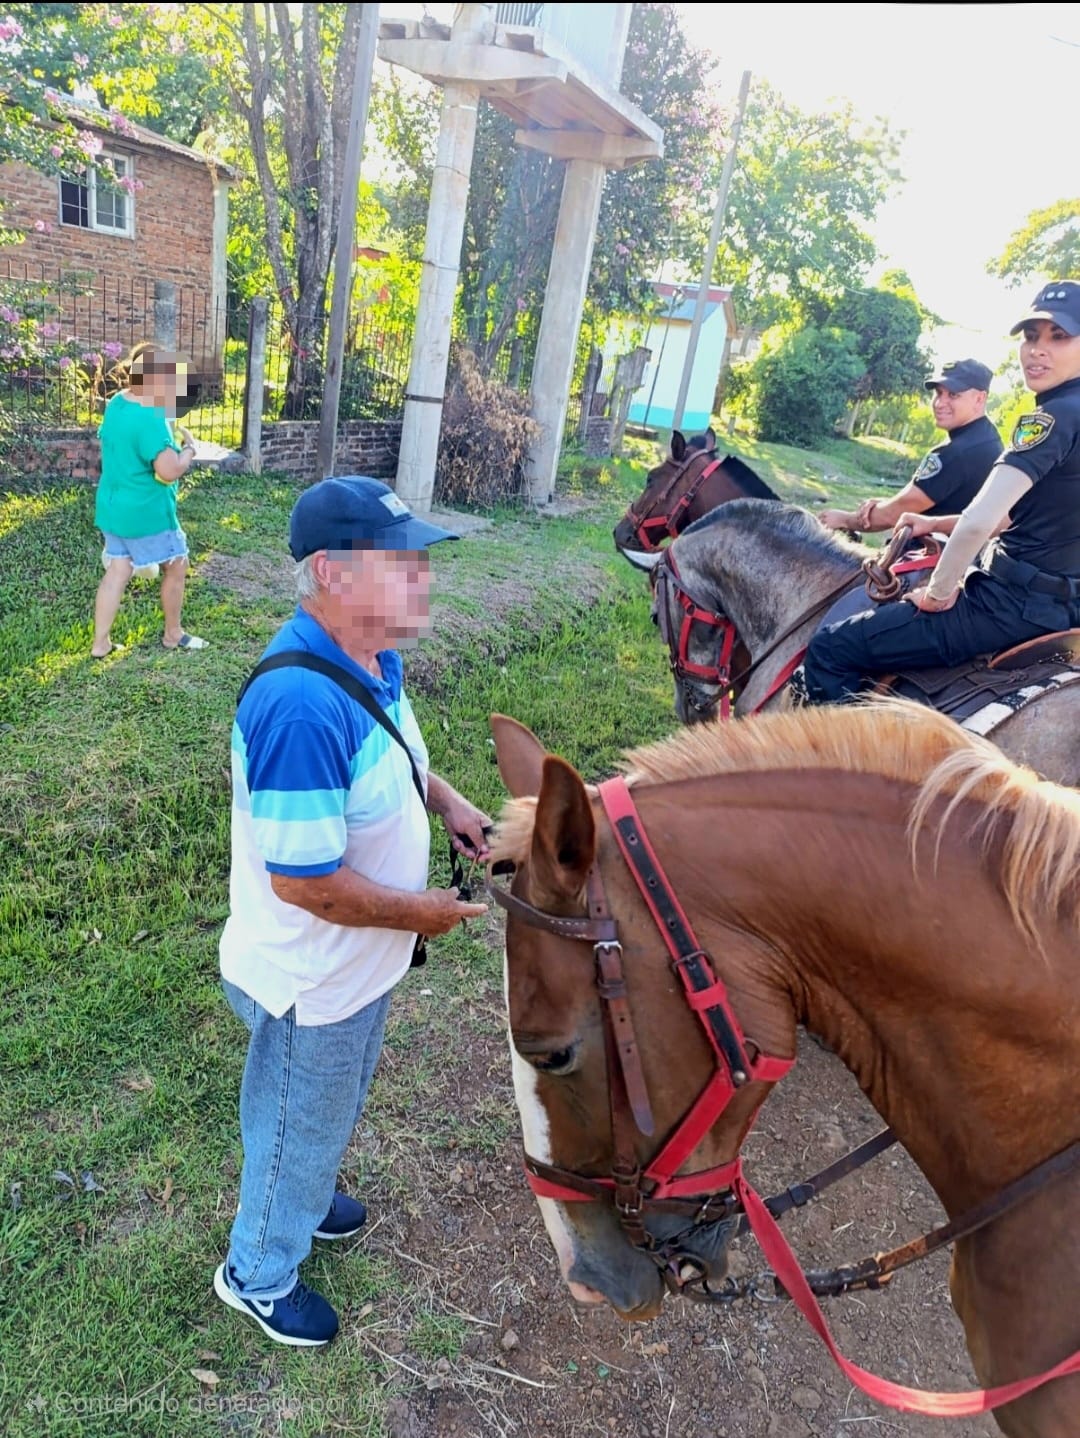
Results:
<point x="288" y="71"/>
<point x="802" y="381"/>
<point x="805" y="188"/>
<point x="1046" y="246"/>
<point x="886" y="328"/>
<point x="648" y="213"/>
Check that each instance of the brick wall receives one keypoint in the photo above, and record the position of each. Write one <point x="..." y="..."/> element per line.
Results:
<point x="60" y="454"/>
<point x="172" y="240"/>
<point x="364" y="447"/>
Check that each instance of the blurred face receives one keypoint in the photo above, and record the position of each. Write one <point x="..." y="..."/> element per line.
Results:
<point x="1048" y="355"/>
<point x="953" y="410"/>
<point x="378" y="597"/>
<point x="161" y="388"/>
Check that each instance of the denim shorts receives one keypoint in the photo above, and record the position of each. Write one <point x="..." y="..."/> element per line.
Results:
<point x="148" y="549"/>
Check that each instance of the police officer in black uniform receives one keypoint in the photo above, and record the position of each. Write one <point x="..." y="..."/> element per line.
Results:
<point x="951" y="475"/>
<point x="1027" y="581"/>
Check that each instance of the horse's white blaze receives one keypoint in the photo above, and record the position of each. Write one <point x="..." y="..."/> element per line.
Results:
<point x="536" y="1132"/>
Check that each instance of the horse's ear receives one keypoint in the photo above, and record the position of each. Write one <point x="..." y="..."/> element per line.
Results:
<point x="564" y="832"/>
<point x="520" y="755"/>
<point x="710" y="440"/>
<point x="678" y="444"/>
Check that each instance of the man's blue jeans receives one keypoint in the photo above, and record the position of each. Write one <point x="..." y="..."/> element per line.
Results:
<point x="302" y="1094"/>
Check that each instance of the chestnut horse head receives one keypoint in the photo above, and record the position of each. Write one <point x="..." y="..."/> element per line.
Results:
<point x="872" y="872"/>
<point x="691" y="481"/>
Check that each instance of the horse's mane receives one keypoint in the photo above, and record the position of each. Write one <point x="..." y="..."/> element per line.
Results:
<point x="776" y="521"/>
<point x="898" y="740"/>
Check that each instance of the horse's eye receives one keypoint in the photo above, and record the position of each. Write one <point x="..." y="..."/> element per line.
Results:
<point x="558" y="1061"/>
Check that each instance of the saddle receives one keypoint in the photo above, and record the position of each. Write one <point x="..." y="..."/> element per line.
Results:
<point x="983" y="692"/>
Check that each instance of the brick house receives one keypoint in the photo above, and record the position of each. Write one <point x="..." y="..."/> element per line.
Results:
<point x="146" y="261"/>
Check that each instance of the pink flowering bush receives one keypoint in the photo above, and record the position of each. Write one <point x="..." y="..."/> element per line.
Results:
<point x="44" y="372"/>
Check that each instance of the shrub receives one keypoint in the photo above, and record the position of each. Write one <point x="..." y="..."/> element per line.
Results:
<point x="801" y="382"/>
<point x="486" y="434"/>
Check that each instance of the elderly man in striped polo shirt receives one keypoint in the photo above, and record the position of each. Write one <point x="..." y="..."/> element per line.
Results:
<point x="328" y="888"/>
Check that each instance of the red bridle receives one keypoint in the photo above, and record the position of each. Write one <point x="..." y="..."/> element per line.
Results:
<point x="666" y="575"/>
<point x="738" y="1061"/>
<point x="658" y="1185"/>
<point x="650" y="528"/>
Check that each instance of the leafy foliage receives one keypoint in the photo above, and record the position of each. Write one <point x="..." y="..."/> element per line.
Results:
<point x="485" y="436"/>
<point x="802" y="381"/>
<point x="804" y="190"/>
<point x="886" y="328"/>
<point x="1046" y="247"/>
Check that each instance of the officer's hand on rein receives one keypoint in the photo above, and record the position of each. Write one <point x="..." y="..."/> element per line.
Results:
<point x="441" y="909"/>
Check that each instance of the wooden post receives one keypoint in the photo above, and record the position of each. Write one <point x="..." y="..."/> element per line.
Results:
<point x="710" y="255"/>
<point x="255" y="384"/>
<point x="588" y="390"/>
<point x="343" y="252"/>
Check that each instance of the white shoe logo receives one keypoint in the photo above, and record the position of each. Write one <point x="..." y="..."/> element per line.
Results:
<point x="261" y="1307"/>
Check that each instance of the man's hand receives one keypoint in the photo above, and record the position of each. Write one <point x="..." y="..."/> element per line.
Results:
<point x="924" y="600"/>
<point x="465" y="823"/>
<point x="441" y="910"/>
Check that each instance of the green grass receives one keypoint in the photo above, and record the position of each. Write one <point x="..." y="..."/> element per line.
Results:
<point x="119" y="1059"/>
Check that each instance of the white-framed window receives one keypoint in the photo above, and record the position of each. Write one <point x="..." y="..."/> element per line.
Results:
<point x="92" y="205"/>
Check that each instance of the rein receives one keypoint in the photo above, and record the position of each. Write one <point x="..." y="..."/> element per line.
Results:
<point x="882" y="584"/>
<point x="666" y="524"/>
<point x="694" y="612"/>
<point x="658" y="1186"/>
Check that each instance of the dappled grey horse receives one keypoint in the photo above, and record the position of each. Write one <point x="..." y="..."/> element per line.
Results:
<point x="770" y="569"/>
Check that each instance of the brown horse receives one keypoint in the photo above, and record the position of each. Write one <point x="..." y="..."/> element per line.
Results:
<point x="878" y="875"/>
<point x="690" y="482"/>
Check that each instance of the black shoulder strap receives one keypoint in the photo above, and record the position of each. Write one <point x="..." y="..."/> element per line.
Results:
<point x="304" y="659"/>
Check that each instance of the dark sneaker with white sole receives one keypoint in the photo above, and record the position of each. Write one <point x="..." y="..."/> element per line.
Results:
<point x="303" y="1318"/>
<point x="346" y="1217"/>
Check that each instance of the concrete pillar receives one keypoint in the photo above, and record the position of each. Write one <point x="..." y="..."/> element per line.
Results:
<point x="439" y="276"/>
<point x="165" y="319"/>
<point x="564" y="297"/>
<point x="219" y="277"/>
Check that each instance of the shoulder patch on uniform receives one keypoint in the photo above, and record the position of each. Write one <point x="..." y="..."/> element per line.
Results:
<point x="930" y="466"/>
<point x="1031" y="429"/>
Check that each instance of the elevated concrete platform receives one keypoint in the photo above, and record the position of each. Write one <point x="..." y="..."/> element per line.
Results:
<point x="562" y="108"/>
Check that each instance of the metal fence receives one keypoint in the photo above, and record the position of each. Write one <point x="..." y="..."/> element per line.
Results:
<point x="375" y="367"/>
<point x="63" y="332"/>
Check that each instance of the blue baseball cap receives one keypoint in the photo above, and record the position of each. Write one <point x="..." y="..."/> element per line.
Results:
<point x="959" y="375"/>
<point x="354" y="512"/>
<point x="1058" y="301"/>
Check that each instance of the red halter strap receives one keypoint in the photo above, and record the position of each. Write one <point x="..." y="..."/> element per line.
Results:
<point x="683" y="667"/>
<point x="707" y="996"/>
<point x="666" y="523"/>
<point x="737" y="1061"/>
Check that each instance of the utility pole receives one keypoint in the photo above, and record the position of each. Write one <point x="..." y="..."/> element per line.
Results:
<point x="710" y="254"/>
<point x="346" y="234"/>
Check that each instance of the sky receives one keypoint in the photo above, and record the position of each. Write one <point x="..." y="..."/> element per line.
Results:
<point x="988" y="97"/>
